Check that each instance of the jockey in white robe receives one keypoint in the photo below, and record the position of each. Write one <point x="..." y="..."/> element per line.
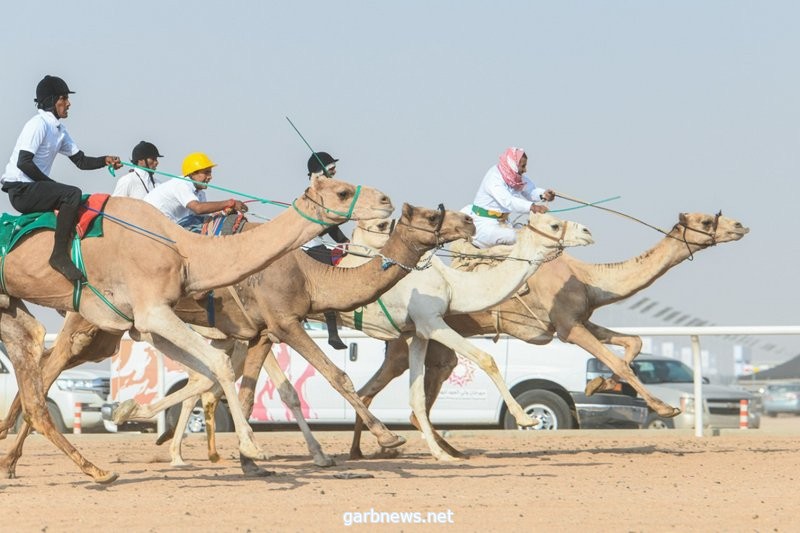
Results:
<point x="505" y="189"/>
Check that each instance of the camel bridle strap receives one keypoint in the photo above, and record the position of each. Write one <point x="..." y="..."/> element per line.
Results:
<point x="320" y="204"/>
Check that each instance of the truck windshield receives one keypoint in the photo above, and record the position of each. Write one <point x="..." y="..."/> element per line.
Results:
<point x="658" y="371"/>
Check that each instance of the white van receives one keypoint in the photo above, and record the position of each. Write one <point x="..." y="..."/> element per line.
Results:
<point x="546" y="380"/>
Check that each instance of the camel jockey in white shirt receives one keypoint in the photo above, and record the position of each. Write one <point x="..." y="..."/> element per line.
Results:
<point x="505" y="189"/>
<point x="138" y="182"/>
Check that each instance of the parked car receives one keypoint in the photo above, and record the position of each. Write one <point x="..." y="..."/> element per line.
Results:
<point x="547" y="381"/>
<point x="89" y="387"/>
<point x="673" y="382"/>
<point x="781" y="398"/>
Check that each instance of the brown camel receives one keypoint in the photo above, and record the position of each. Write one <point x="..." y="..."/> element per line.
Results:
<point x="277" y="299"/>
<point x="562" y="296"/>
<point x="141" y="266"/>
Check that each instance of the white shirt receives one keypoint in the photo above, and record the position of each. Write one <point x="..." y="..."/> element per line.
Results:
<point x="172" y="197"/>
<point x="494" y="194"/>
<point x="134" y="184"/>
<point x="45" y="137"/>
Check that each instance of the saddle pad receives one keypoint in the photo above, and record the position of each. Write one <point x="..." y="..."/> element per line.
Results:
<point x="14" y="227"/>
<point x="223" y="224"/>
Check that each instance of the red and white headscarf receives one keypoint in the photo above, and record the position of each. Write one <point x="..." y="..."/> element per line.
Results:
<point x="509" y="167"/>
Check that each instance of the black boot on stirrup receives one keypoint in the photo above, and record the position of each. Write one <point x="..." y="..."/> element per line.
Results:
<point x="333" y="333"/>
<point x="60" y="260"/>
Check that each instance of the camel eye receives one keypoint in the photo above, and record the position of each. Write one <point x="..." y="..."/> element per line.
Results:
<point x="555" y="227"/>
<point x="382" y="226"/>
<point x="343" y="195"/>
<point x="433" y="219"/>
<point x="706" y="223"/>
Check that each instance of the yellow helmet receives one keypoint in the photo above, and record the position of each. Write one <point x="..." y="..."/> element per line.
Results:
<point x="196" y="161"/>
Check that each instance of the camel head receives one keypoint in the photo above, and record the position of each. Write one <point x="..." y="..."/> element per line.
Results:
<point x="558" y="233"/>
<point x="334" y="201"/>
<point x="707" y="230"/>
<point x="373" y="233"/>
<point x="431" y="227"/>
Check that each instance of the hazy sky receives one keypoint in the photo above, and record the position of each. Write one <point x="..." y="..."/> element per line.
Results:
<point x="675" y="106"/>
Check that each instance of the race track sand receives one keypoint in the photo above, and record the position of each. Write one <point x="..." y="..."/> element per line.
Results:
<point x="614" y="481"/>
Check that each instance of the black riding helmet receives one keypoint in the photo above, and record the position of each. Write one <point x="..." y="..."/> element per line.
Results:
<point x="314" y="164"/>
<point x="143" y="150"/>
<point x="48" y="90"/>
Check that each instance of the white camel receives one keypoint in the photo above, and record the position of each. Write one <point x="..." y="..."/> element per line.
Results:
<point x="416" y="306"/>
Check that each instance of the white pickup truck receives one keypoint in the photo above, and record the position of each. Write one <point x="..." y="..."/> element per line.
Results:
<point x="548" y="380"/>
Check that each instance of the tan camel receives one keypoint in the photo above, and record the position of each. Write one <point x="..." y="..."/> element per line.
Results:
<point x="141" y="266"/>
<point x="562" y="296"/>
<point x="279" y="297"/>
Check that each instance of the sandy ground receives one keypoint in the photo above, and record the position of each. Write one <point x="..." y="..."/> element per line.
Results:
<point x="515" y="481"/>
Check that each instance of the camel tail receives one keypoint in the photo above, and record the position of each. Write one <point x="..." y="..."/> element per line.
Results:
<point x="166" y="436"/>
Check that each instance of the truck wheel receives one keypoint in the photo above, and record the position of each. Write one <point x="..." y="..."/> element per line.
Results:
<point x="547" y="406"/>
<point x="656" y="422"/>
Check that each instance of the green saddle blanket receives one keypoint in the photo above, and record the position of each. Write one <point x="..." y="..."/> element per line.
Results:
<point x="15" y="227"/>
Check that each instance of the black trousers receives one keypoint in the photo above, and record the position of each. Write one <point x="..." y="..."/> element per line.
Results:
<point x="39" y="196"/>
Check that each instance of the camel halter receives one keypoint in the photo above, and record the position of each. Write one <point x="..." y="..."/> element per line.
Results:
<point x="321" y="205"/>
<point x="437" y="232"/>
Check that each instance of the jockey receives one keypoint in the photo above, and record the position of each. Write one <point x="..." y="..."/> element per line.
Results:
<point x="185" y="202"/>
<point x="26" y="178"/>
<point x="323" y="164"/>
<point x="137" y="183"/>
<point x="505" y="189"/>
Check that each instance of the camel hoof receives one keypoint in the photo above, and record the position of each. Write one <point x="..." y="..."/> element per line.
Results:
<point x="106" y="478"/>
<point x="594" y="386"/>
<point x="164" y="437"/>
<point x="121" y="412"/>
<point x="671" y="412"/>
<point x="180" y="463"/>
<point x="324" y="461"/>
<point x="214" y="457"/>
<point x="446" y="458"/>
<point x="356" y="455"/>
<point x="391" y="441"/>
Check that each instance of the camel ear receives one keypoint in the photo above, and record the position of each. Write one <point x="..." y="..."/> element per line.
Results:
<point x="682" y="219"/>
<point x="408" y="210"/>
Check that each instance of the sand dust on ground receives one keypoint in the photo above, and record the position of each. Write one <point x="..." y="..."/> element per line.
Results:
<point x="564" y="481"/>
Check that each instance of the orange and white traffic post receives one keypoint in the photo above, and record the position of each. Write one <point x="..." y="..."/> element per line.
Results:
<point x="76" y="418"/>
<point x="743" y="414"/>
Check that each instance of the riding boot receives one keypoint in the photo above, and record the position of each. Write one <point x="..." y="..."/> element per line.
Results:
<point x="333" y="332"/>
<point x="60" y="259"/>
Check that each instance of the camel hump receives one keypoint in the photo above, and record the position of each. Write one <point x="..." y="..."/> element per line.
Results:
<point x="468" y="257"/>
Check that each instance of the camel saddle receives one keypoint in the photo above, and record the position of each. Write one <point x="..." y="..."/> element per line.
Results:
<point x="15" y="227"/>
<point x="470" y="258"/>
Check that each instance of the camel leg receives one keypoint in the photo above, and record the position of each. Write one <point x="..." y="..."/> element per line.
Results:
<point x="170" y="335"/>
<point x="439" y="364"/>
<point x="395" y="362"/>
<point x="436" y="329"/>
<point x="632" y="345"/>
<point x="23" y="336"/>
<point x="297" y="338"/>
<point x="289" y="396"/>
<point x="179" y="430"/>
<point x="78" y="342"/>
<point x="416" y="366"/>
<point x="579" y="335"/>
